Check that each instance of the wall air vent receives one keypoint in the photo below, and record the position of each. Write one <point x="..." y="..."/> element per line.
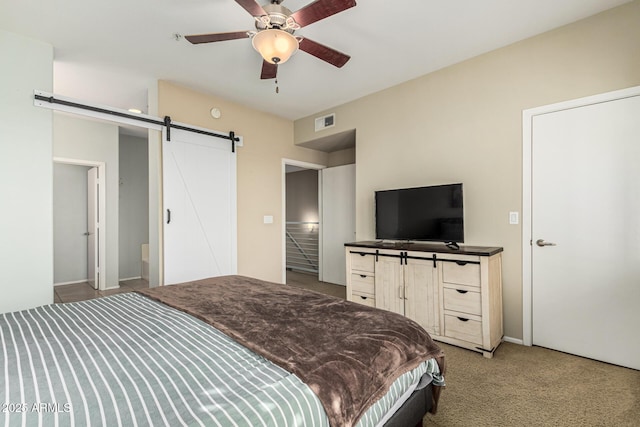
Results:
<point x="325" y="122"/>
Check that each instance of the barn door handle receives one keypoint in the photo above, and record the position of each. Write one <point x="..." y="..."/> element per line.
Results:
<point x="168" y="216"/>
<point x="541" y="243"/>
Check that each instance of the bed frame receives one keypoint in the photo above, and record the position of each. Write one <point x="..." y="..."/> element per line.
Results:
<point x="413" y="409"/>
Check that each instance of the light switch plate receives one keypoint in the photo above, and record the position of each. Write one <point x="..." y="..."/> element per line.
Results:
<point x="513" y="218"/>
<point x="268" y="219"/>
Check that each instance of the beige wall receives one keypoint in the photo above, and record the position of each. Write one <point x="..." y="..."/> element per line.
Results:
<point x="267" y="140"/>
<point x="342" y="157"/>
<point x="464" y="124"/>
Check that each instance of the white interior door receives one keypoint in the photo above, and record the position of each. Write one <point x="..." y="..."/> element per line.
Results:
<point x="586" y="202"/>
<point x="199" y="198"/>
<point x="338" y="220"/>
<point x="93" y="225"/>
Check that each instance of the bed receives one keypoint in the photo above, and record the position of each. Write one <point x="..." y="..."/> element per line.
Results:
<point x="226" y="351"/>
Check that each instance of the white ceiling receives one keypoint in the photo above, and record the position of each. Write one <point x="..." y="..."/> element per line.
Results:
<point x="110" y="51"/>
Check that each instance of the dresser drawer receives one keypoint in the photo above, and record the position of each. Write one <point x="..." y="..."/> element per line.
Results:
<point x="462" y="301"/>
<point x="364" y="299"/>
<point x="363" y="283"/>
<point x="363" y="262"/>
<point x="463" y="329"/>
<point x="461" y="274"/>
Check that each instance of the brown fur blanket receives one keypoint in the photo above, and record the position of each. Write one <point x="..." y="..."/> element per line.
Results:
<point x="347" y="353"/>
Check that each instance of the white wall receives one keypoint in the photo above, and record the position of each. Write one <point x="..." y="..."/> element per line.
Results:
<point x="69" y="223"/>
<point x="26" y="225"/>
<point x="134" y="204"/>
<point x="84" y="139"/>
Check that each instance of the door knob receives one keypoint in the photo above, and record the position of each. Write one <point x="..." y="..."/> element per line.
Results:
<point x="541" y="242"/>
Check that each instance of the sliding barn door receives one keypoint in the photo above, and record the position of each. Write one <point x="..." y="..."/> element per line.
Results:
<point x="199" y="198"/>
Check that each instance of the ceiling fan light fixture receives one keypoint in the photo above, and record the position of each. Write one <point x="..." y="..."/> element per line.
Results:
<point x="275" y="46"/>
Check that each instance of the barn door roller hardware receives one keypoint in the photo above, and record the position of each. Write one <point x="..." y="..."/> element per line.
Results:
<point x="145" y="121"/>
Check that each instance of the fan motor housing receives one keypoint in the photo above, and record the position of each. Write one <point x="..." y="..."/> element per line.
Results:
<point x="277" y="18"/>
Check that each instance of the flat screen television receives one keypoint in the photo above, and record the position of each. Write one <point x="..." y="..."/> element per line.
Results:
<point x="433" y="213"/>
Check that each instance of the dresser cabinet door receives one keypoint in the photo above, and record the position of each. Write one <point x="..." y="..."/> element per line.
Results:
<point x="389" y="284"/>
<point x="421" y="294"/>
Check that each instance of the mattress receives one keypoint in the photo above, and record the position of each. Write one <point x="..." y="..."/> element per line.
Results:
<point x="128" y="360"/>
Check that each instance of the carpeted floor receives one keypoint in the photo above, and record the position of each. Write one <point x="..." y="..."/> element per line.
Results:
<point x="534" y="386"/>
<point x="310" y="281"/>
<point x="525" y="386"/>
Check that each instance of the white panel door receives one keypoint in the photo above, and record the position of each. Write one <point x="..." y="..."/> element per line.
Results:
<point x="586" y="202"/>
<point x="93" y="225"/>
<point x="199" y="198"/>
<point x="338" y="220"/>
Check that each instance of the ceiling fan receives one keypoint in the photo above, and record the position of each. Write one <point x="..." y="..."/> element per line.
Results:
<point x="275" y="26"/>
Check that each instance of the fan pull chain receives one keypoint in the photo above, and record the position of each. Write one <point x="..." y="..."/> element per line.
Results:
<point x="277" y="88"/>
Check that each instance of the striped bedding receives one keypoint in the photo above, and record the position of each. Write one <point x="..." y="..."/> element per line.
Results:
<point x="128" y="360"/>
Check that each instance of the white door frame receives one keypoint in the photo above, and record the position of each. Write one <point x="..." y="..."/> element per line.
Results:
<point x="102" y="211"/>
<point x="527" y="181"/>
<point x="283" y="233"/>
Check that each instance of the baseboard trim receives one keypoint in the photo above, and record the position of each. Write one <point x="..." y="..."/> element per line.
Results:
<point x="130" y="278"/>
<point x="513" y="340"/>
<point x="70" y="283"/>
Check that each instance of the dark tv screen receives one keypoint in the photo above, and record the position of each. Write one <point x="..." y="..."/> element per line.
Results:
<point x="433" y="213"/>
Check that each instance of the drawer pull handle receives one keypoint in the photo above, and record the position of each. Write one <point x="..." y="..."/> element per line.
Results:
<point x="363" y="275"/>
<point x="363" y="297"/>
<point x="361" y="254"/>
<point x="462" y="319"/>
<point x="460" y="291"/>
<point x="462" y="262"/>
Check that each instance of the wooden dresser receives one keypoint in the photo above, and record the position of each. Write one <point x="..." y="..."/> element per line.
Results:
<point x="456" y="295"/>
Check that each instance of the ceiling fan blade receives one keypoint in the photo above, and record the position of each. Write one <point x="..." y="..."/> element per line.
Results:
<point x="269" y="71"/>
<point x="320" y="9"/>
<point x="323" y="52"/>
<point x="217" y="37"/>
<point x="252" y="7"/>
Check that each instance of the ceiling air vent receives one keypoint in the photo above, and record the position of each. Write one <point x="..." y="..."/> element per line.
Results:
<point x="325" y="122"/>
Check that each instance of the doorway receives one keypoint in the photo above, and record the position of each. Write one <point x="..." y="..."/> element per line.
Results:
<point x="301" y="235"/>
<point x="580" y="292"/>
<point x="133" y="206"/>
<point x="75" y="260"/>
<point x="319" y="212"/>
